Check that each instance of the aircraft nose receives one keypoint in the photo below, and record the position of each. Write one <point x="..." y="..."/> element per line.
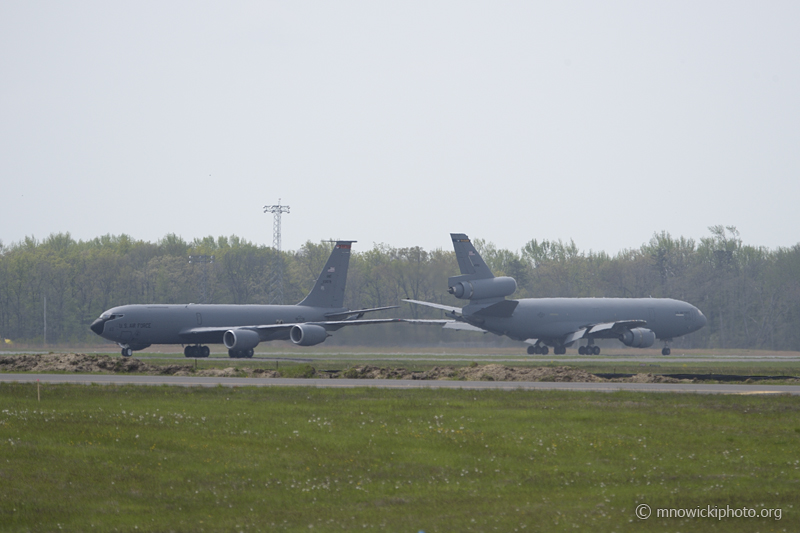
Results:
<point x="701" y="319"/>
<point x="98" y="325"/>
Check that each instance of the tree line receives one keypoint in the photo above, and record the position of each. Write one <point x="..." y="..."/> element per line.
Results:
<point x="750" y="295"/>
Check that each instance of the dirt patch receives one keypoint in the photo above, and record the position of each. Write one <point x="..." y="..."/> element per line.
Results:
<point x="493" y="372"/>
<point x="497" y="372"/>
<point x="649" y="378"/>
<point x="230" y="372"/>
<point x="82" y="363"/>
<point x="91" y="363"/>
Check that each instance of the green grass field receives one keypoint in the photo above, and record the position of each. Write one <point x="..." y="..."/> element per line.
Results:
<point x="109" y="458"/>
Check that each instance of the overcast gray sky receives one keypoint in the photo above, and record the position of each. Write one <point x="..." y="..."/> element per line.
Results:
<point x="399" y="122"/>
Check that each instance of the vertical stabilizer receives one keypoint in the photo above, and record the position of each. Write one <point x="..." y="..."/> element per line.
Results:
<point x="476" y="282"/>
<point x="469" y="261"/>
<point x="328" y="290"/>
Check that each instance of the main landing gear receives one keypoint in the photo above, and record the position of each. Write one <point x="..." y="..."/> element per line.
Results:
<point x="241" y="354"/>
<point x="544" y="350"/>
<point x="196" y="351"/>
<point x="589" y="350"/>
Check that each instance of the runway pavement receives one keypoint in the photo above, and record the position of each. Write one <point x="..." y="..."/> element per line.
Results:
<point x="190" y="381"/>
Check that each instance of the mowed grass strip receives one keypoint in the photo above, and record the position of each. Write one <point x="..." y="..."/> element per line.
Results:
<point x="261" y="459"/>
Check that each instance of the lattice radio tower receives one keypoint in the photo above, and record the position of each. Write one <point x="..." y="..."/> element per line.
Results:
<point x="276" y="291"/>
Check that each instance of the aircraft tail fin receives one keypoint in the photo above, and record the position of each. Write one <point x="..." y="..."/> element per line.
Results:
<point x="329" y="287"/>
<point x="469" y="260"/>
<point x="477" y="282"/>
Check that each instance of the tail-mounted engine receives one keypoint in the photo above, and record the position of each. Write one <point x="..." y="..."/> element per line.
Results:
<point x="638" y="338"/>
<point x="480" y="289"/>
<point x="307" y="334"/>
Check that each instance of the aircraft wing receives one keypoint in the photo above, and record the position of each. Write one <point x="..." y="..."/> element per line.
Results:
<point x="190" y="333"/>
<point x="358" y="313"/>
<point x="618" y="325"/>
<point x="360" y="322"/>
<point x="450" y="309"/>
<point x="604" y="329"/>
<point x="575" y="335"/>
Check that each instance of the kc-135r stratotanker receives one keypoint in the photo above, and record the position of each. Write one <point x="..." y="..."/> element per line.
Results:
<point x="240" y="327"/>
<point x="557" y="322"/>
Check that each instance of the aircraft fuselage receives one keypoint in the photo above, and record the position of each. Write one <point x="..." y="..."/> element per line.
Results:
<point x="143" y="325"/>
<point x="553" y="318"/>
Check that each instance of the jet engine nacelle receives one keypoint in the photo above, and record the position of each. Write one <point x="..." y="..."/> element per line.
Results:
<point x="307" y="334"/>
<point x="479" y="289"/>
<point x="638" y="338"/>
<point x="240" y="339"/>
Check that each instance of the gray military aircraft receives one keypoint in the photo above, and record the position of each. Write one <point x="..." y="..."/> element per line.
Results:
<point x="557" y="322"/>
<point x="240" y="327"/>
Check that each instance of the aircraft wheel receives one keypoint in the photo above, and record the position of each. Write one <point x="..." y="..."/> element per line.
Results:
<point x="544" y="350"/>
<point x="249" y="353"/>
<point x="127" y="352"/>
<point x="204" y="351"/>
<point x="596" y="350"/>
<point x="532" y="350"/>
<point x="582" y="350"/>
<point x="665" y="351"/>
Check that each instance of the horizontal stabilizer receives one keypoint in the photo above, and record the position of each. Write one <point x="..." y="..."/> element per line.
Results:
<point x="462" y="326"/>
<point x="501" y="309"/>
<point x="446" y="324"/>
